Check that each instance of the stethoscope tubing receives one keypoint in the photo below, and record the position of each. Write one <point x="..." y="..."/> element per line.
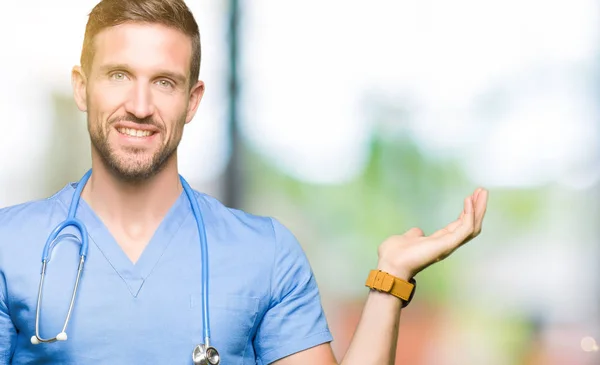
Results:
<point x="71" y="221"/>
<point x="204" y="257"/>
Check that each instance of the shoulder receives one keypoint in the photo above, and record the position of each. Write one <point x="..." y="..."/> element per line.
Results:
<point x="29" y="216"/>
<point x="222" y="217"/>
<point x="264" y="232"/>
<point x="24" y="212"/>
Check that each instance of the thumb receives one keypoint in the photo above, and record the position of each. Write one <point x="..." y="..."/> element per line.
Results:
<point x="414" y="232"/>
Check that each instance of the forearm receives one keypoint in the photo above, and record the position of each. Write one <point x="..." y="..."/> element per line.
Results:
<point x="376" y="335"/>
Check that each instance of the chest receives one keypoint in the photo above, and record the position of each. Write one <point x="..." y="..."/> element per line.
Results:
<point x="148" y="312"/>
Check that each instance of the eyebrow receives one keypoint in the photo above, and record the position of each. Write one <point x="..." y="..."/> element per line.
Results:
<point x="178" y="77"/>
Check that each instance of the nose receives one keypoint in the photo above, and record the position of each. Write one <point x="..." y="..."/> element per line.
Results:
<point x="140" y="102"/>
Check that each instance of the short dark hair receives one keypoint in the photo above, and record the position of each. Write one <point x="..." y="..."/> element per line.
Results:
<point x="171" y="13"/>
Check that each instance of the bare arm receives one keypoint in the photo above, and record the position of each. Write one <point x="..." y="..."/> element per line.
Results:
<point x="403" y="256"/>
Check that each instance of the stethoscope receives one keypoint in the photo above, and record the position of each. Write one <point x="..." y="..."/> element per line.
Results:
<point x="203" y="354"/>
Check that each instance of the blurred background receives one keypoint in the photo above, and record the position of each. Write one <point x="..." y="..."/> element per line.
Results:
<point x="350" y="121"/>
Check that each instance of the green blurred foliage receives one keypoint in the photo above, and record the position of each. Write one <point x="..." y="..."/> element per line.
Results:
<point x="400" y="187"/>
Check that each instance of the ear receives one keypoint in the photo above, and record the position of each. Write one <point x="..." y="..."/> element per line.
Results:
<point x="79" y="83"/>
<point x="195" y="96"/>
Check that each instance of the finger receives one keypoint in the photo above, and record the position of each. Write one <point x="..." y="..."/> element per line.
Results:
<point x="462" y="229"/>
<point x="452" y="225"/>
<point x="448" y="229"/>
<point x="466" y="226"/>
<point x="472" y="202"/>
<point x="476" y="194"/>
<point x="480" y="209"/>
<point x="458" y="232"/>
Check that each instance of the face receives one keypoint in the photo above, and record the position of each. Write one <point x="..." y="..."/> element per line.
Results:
<point x="138" y="98"/>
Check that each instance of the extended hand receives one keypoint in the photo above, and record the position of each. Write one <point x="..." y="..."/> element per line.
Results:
<point x="407" y="254"/>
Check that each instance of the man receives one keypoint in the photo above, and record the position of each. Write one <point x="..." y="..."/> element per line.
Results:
<point x="139" y="298"/>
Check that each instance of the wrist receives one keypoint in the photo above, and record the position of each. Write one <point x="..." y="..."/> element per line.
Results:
<point x="398" y="272"/>
<point x="385" y="282"/>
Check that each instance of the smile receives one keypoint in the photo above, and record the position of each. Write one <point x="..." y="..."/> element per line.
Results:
<point x="134" y="132"/>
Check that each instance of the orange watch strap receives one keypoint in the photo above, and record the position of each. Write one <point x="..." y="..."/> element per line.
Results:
<point x="387" y="283"/>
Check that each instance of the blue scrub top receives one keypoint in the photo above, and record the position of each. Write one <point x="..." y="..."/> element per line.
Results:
<point x="264" y="301"/>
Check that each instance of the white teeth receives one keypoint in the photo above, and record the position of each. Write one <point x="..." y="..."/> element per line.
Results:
<point x="134" y="132"/>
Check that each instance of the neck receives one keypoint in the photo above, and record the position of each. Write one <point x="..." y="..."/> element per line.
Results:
<point x="115" y="200"/>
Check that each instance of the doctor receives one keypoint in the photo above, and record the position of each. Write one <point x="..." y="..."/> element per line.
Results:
<point x="140" y="298"/>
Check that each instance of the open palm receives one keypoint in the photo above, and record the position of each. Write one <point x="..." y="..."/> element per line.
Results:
<point x="407" y="254"/>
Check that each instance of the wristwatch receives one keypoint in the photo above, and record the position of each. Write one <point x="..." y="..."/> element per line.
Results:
<point x="387" y="283"/>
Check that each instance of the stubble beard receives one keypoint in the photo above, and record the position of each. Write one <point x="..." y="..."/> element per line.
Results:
<point x="132" y="166"/>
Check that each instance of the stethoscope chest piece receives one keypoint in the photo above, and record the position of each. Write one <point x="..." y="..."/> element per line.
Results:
<point x="205" y="355"/>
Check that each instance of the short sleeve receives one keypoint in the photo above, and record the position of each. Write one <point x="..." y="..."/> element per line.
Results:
<point x="295" y="320"/>
<point x="8" y="333"/>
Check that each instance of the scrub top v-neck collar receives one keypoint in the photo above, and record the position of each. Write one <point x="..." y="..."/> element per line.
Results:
<point x="132" y="274"/>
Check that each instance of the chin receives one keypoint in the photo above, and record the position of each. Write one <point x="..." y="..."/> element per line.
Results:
<point x="136" y="165"/>
<point x="132" y="169"/>
<point x="134" y="175"/>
